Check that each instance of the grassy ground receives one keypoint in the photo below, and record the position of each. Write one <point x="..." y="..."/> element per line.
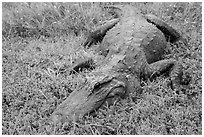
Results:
<point x="40" y="43"/>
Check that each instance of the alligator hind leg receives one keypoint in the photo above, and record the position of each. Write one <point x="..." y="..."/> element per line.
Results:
<point x="167" y="67"/>
<point x="170" y="33"/>
<point x="98" y="34"/>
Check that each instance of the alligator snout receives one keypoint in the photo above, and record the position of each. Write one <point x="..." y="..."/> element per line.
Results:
<point x="89" y="97"/>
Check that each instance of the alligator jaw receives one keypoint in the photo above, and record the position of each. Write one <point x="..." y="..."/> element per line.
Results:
<point x="88" y="98"/>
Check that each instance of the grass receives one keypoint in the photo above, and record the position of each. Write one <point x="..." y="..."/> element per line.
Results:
<point x="42" y="41"/>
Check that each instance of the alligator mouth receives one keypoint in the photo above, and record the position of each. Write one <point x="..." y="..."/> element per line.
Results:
<point x="106" y="91"/>
<point x="88" y="98"/>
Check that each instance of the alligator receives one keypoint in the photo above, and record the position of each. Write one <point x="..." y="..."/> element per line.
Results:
<point x="132" y="46"/>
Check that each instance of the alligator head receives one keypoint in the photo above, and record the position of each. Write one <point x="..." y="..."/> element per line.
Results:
<point x="90" y="96"/>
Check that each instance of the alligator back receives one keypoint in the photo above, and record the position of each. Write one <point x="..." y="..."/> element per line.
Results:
<point x="134" y="32"/>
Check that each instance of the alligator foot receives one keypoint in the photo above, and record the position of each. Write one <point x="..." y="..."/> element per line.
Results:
<point x="98" y="34"/>
<point x="169" y="67"/>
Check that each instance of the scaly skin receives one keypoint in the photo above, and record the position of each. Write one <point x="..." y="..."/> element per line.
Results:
<point x="103" y="83"/>
<point x="132" y="49"/>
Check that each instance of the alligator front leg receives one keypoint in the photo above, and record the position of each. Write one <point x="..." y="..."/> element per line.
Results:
<point x="84" y="64"/>
<point x="167" y="67"/>
<point x="93" y="38"/>
<point x="98" y="34"/>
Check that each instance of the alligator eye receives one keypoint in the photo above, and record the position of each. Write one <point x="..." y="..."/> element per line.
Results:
<point x="98" y="85"/>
